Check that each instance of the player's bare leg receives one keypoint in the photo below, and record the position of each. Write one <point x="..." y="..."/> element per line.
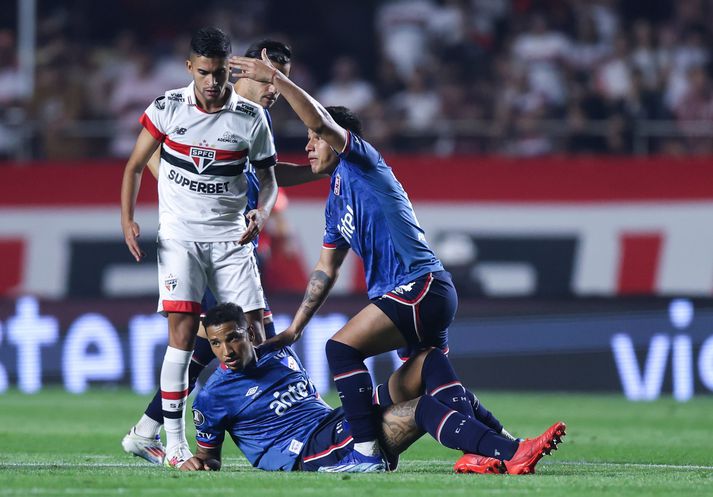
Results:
<point x="411" y="380"/>
<point x="371" y="332"/>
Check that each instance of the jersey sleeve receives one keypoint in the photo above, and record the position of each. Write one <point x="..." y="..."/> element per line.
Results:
<point x="155" y="119"/>
<point x="360" y="152"/>
<point x="333" y="239"/>
<point x="262" y="149"/>
<point x="209" y="421"/>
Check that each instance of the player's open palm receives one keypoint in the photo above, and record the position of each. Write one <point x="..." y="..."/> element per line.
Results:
<point x="132" y="231"/>
<point x="255" y="69"/>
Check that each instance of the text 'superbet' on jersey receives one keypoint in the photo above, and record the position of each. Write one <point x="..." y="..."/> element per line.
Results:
<point x="270" y="410"/>
<point x="202" y="188"/>
<point x="369" y="211"/>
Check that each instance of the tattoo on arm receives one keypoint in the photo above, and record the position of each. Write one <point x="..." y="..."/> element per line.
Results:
<point x="398" y="425"/>
<point x="317" y="290"/>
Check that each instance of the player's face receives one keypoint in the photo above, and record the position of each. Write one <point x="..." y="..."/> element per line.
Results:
<point x="322" y="158"/>
<point x="231" y="345"/>
<point x="264" y="94"/>
<point x="210" y="75"/>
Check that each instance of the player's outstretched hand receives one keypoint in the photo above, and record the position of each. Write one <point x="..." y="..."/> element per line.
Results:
<point x="256" y="69"/>
<point x="198" y="464"/>
<point x="256" y="222"/>
<point x="132" y="231"/>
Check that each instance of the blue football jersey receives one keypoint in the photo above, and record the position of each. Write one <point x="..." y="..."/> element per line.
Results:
<point x="270" y="410"/>
<point x="369" y="211"/>
<point x="253" y="182"/>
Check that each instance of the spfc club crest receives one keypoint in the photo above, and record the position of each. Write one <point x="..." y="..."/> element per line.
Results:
<point x="171" y="282"/>
<point x="202" y="157"/>
<point x="337" y="184"/>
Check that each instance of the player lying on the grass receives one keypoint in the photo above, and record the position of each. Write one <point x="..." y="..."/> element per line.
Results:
<point x="143" y="439"/>
<point x="267" y="403"/>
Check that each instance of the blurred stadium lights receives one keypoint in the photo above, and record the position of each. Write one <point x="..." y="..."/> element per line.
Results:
<point x="602" y="346"/>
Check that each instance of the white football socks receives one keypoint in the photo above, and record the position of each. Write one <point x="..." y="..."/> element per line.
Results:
<point x="147" y="427"/>
<point x="174" y="393"/>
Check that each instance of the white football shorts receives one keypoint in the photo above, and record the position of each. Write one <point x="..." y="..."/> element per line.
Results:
<point x="185" y="269"/>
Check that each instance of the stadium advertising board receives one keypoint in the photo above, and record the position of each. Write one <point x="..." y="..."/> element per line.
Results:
<point x="528" y="228"/>
<point x="642" y="351"/>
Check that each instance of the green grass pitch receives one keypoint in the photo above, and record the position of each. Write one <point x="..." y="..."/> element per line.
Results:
<point x="57" y="444"/>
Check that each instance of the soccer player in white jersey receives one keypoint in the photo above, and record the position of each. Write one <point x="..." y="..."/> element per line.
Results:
<point x="143" y="439"/>
<point x="206" y="133"/>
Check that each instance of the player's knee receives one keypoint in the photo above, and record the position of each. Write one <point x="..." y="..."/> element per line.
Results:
<point x="341" y="355"/>
<point x="421" y="355"/>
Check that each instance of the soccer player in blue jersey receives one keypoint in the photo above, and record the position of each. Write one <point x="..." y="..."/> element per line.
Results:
<point x="413" y="298"/>
<point x="267" y="403"/>
<point x="144" y="439"/>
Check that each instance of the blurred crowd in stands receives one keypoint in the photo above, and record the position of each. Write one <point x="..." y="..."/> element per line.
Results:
<point x="514" y="77"/>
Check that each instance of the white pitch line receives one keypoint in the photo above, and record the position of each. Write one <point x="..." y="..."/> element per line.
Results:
<point x="70" y="465"/>
<point x="242" y="464"/>
<point x="585" y="463"/>
<point x="632" y="465"/>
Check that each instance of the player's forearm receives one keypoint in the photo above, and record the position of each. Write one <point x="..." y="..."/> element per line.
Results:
<point x="268" y="190"/>
<point x="309" y="110"/>
<point x="288" y="174"/>
<point x="318" y="288"/>
<point x="130" y="185"/>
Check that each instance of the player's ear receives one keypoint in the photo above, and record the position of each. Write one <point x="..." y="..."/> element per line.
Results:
<point x="265" y="58"/>
<point x="251" y="333"/>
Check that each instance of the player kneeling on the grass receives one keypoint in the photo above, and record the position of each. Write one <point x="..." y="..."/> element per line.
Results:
<point x="265" y="400"/>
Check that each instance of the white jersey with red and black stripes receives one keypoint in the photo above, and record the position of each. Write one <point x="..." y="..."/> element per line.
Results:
<point x="202" y="188"/>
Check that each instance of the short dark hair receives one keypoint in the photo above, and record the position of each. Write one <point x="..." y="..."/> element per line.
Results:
<point x="211" y="43"/>
<point x="345" y="118"/>
<point x="224" y="313"/>
<point x="278" y="52"/>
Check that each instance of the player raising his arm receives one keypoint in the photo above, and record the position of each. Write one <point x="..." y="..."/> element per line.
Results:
<point x="413" y="298"/>
<point x="206" y="133"/>
<point x="267" y="403"/>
